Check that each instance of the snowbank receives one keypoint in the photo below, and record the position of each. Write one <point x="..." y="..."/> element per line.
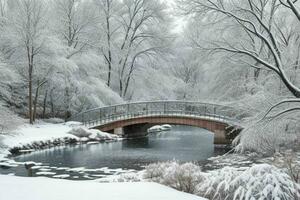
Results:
<point x="159" y="128"/>
<point x="15" y="188"/>
<point x="44" y="135"/>
<point x="3" y="154"/>
<point x="9" y="120"/>
<point x="91" y="134"/>
<point x="27" y="134"/>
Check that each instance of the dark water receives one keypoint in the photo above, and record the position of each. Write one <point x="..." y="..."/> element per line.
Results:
<point x="88" y="161"/>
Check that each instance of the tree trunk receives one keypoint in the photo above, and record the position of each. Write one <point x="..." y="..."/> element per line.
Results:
<point x="289" y="86"/>
<point x="35" y="100"/>
<point x="256" y="74"/>
<point x="30" y="71"/>
<point x="127" y="84"/>
<point x="128" y="79"/>
<point x="52" y="109"/>
<point x="108" y="43"/>
<point x="109" y="69"/>
<point x="67" y="103"/>
<point x="44" y="104"/>
<point x="30" y="96"/>
<point x="51" y="103"/>
<point x="121" y="87"/>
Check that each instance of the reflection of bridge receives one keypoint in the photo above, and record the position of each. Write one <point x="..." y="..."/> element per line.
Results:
<point x="132" y="119"/>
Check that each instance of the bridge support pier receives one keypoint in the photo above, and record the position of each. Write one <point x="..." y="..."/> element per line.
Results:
<point x="220" y="137"/>
<point x="119" y="131"/>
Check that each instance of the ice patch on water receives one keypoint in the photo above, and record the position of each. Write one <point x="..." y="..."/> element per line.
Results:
<point x="61" y="176"/>
<point x="45" y="173"/>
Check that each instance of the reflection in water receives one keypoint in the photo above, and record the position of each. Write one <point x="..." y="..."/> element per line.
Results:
<point x="182" y="143"/>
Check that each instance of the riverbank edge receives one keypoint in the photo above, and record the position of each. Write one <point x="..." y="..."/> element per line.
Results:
<point x="33" y="144"/>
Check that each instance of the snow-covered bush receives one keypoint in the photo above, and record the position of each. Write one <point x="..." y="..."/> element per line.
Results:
<point x="269" y="136"/>
<point x="80" y="132"/>
<point x="102" y="135"/>
<point x="54" y="120"/>
<point x="73" y="124"/>
<point x="90" y="134"/>
<point x="184" y="177"/>
<point x="126" y="177"/>
<point x="290" y="162"/>
<point x="258" y="182"/>
<point x="155" y="171"/>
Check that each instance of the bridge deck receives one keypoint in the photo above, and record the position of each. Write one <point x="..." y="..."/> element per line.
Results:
<point x="106" y="115"/>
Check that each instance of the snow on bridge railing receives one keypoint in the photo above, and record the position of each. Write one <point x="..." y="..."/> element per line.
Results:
<point x="107" y="114"/>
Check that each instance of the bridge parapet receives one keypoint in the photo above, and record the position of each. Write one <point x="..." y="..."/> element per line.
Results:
<point x="104" y="115"/>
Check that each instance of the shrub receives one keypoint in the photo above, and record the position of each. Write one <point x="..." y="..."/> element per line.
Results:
<point x="183" y="177"/>
<point x="258" y="182"/>
<point x="263" y="181"/>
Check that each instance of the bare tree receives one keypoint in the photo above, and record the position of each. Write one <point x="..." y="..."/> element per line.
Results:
<point x="138" y="38"/>
<point x="129" y="35"/>
<point x="29" y="26"/>
<point x="107" y="9"/>
<point x="75" y="18"/>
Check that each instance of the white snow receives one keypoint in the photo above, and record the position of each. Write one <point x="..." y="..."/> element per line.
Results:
<point x="36" y="167"/>
<point x="45" y="170"/>
<point x="158" y="128"/>
<point x="42" y="131"/>
<point x="45" y="173"/>
<point x="27" y="134"/>
<point x="3" y="154"/>
<point x="8" y="165"/>
<point x="86" y="134"/>
<point x="166" y="126"/>
<point x="15" y="188"/>
<point x="62" y="176"/>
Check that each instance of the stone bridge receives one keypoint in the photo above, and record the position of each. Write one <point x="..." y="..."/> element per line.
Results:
<point x="133" y="119"/>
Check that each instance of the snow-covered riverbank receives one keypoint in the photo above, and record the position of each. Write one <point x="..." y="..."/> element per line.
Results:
<point x="29" y="138"/>
<point x="43" y="135"/>
<point x="15" y="188"/>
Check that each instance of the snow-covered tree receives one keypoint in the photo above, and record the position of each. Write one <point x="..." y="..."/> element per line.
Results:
<point x="253" y="42"/>
<point x="28" y="28"/>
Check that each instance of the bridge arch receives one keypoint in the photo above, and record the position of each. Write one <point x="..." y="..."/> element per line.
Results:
<point x="132" y="119"/>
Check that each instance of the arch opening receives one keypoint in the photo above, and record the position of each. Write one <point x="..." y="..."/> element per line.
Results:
<point x="137" y="127"/>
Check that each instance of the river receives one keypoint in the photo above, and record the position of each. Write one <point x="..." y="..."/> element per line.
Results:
<point x="90" y="161"/>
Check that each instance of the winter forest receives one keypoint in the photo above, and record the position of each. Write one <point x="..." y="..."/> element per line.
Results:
<point x="61" y="58"/>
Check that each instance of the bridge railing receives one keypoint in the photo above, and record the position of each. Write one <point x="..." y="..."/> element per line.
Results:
<point x="103" y="115"/>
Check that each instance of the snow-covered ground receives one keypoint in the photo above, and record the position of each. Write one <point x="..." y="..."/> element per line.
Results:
<point x="15" y="188"/>
<point x="27" y="134"/>
<point x="41" y="135"/>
